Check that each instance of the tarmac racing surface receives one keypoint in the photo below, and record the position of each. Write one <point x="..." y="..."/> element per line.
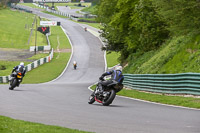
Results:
<point x="63" y="102"/>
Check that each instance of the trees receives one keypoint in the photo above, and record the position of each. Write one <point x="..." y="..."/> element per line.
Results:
<point x="131" y="26"/>
<point x="182" y="16"/>
<point x="4" y="3"/>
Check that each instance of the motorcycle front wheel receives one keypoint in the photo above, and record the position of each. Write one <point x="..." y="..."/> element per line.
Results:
<point x="109" y="100"/>
<point x="13" y="84"/>
<point x="91" y="98"/>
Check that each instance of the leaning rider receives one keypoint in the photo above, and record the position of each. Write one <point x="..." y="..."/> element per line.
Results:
<point x="19" y="68"/>
<point x="116" y="75"/>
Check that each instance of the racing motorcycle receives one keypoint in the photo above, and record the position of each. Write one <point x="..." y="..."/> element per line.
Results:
<point x="75" y="65"/>
<point x="108" y="95"/>
<point x="16" y="79"/>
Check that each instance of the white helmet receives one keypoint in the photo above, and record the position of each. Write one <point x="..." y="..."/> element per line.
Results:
<point x="118" y="68"/>
<point x="21" y="64"/>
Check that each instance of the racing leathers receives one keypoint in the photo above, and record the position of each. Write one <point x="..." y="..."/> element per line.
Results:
<point x="19" y="68"/>
<point x="115" y="75"/>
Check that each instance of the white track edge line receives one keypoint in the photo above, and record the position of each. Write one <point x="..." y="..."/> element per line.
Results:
<point x="151" y="102"/>
<point x="72" y="52"/>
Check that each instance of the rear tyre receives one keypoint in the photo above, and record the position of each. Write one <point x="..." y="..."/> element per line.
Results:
<point x="110" y="99"/>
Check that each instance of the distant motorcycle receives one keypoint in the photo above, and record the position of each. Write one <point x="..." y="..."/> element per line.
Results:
<point x="15" y="80"/>
<point x="108" y="95"/>
<point x="85" y="29"/>
<point x="75" y="66"/>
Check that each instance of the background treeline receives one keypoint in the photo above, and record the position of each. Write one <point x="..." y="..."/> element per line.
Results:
<point x="136" y="27"/>
<point x="5" y="3"/>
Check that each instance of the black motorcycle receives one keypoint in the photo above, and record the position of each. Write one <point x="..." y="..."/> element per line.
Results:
<point x="16" y="79"/>
<point x="108" y="95"/>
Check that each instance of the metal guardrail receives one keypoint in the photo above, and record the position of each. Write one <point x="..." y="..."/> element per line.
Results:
<point x="184" y="83"/>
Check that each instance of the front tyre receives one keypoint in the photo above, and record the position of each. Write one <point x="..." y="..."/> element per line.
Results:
<point x="91" y="98"/>
<point x="13" y="84"/>
<point x="109" y="100"/>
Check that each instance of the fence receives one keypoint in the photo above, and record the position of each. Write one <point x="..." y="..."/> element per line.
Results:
<point x="29" y="67"/>
<point x="185" y="83"/>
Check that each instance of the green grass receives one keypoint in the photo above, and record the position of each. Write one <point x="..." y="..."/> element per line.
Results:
<point x="160" y="98"/>
<point x="90" y="19"/>
<point x="30" y="5"/>
<point x="54" y="14"/>
<point x="178" y="55"/>
<point x="56" y="31"/>
<point x="90" y="9"/>
<point x="112" y="58"/>
<point x="71" y="5"/>
<point x="58" y="34"/>
<point x="186" y="60"/>
<point x="53" y="69"/>
<point x="95" y="25"/>
<point x="12" y="30"/>
<point x="9" y="125"/>
<point x="38" y="56"/>
<point x="9" y="67"/>
<point x="48" y="71"/>
<point x="41" y="39"/>
<point x="16" y="28"/>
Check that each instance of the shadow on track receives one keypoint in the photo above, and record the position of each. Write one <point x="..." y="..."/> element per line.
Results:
<point x="107" y="106"/>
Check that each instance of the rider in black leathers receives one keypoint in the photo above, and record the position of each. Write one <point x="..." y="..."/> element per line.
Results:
<point x="115" y="75"/>
<point x="20" y="68"/>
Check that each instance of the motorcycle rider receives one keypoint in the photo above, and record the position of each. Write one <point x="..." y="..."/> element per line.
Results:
<point x="74" y="64"/>
<point x="115" y="75"/>
<point x="85" y="28"/>
<point x="19" y="68"/>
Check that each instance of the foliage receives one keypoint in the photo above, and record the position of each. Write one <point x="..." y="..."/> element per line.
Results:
<point x="153" y="36"/>
<point x="178" y="55"/>
<point x="131" y="25"/>
<point x="182" y="16"/>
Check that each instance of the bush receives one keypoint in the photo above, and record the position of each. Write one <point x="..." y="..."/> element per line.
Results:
<point x="2" y="67"/>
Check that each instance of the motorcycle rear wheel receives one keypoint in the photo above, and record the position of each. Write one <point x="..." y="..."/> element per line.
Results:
<point x="110" y="99"/>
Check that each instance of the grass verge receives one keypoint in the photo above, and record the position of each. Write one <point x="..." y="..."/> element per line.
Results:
<point x="8" y="125"/>
<point x="48" y="71"/>
<point x="54" y="14"/>
<point x="53" y="69"/>
<point x="112" y="58"/>
<point x="30" y="5"/>
<point x="160" y="98"/>
<point x="8" y="65"/>
<point x="15" y="34"/>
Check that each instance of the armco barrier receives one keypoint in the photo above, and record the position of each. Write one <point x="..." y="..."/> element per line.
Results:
<point x="184" y="83"/>
<point x="29" y="67"/>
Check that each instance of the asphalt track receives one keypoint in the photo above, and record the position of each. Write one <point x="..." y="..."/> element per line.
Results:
<point x="63" y="102"/>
